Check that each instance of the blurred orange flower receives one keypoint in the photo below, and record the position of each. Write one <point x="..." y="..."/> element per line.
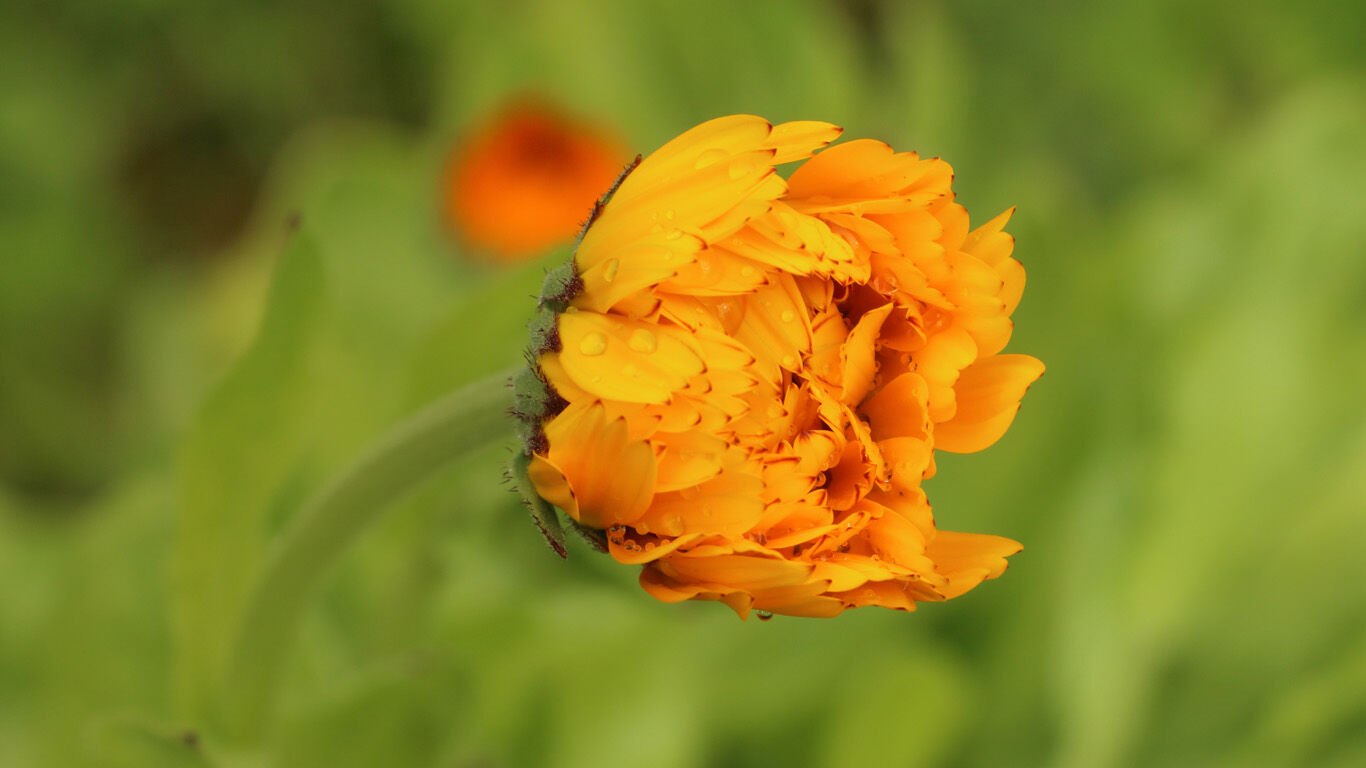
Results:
<point x="747" y="378"/>
<point x="525" y="181"/>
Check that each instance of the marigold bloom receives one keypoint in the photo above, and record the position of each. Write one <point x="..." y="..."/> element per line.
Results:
<point x="525" y="182"/>
<point x="746" y="378"/>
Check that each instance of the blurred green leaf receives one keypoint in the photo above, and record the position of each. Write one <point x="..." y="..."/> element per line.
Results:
<point x="482" y="333"/>
<point x="133" y="742"/>
<point x="237" y="457"/>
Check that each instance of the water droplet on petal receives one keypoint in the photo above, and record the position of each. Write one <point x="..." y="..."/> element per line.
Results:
<point x="709" y="157"/>
<point x="788" y="316"/>
<point x="763" y="615"/>
<point x="643" y="341"/>
<point x="593" y="344"/>
<point x="610" y="269"/>
<point x="789" y="361"/>
<point x="746" y="271"/>
<point x="673" y="234"/>
<point x="669" y="215"/>
<point x="741" y="167"/>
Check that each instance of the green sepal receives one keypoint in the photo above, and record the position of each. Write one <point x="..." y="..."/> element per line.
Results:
<point x="544" y="331"/>
<point x="561" y="284"/>
<point x="530" y="396"/>
<point x="596" y="539"/>
<point x="530" y="435"/>
<point x="544" y="515"/>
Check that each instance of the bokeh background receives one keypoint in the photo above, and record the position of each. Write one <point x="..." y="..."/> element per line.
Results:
<point x="1189" y="479"/>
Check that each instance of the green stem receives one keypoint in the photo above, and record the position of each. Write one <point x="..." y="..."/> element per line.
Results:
<point x="335" y="518"/>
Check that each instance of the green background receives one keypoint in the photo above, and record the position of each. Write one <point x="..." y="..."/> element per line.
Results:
<point x="1189" y="478"/>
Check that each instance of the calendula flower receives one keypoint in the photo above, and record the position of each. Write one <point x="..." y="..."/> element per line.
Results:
<point x="524" y="182"/>
<point x="741" y="380"/>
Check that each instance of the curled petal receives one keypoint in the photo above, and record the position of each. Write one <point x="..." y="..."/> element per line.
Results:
<point x="988" y="394"/>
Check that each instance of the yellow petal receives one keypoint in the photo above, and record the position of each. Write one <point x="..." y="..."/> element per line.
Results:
<point x="633" y="268"/>
<point x="687" y="459"/>
<point x="798" y="139"/>
<point x="776" y="327"/>
<point x="707" y="144"/>
<point x="619" y="359"/>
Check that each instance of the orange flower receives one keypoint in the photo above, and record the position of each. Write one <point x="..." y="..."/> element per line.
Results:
<point x="526" y="181"/>
<point x="745" y="378"/>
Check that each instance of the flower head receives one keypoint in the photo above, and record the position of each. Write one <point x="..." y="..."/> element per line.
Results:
<point x="524" y="182"/>
<point x="747" y="377"/>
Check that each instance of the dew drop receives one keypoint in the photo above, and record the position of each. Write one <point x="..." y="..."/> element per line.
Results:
<point x="669" y="215"/>
<point x="789" y="361"/>
<point x="593" y="344"/>
<point x="741" y="167"/>
<point x="788" y="316"/>
<point x="709" y="157"/>
<point x="763" y="615"/>
<point x="642" y="341"/>
<point x="674" y="526"/>
<point x="610" y="269"/>
<point x="746" y="271"/>
<point x="673" y="234"/>
<point x="632" y="372"/>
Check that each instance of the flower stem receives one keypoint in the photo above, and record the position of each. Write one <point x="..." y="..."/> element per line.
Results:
<point x="331" y="521"/>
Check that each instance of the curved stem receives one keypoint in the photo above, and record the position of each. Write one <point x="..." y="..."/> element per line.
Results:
<point x="332" y="520"/>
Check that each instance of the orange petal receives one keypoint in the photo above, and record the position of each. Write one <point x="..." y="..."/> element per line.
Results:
<point x="736" y="571"/>
<point x="899" y="408"/>
<point x="988" y="394"/>
<point x="857" y="355"/>
<point x="728" y="504"/>
<point x="593" y="470"/>
<point x="946" y="353"/>
<point x="968" y="559"/>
